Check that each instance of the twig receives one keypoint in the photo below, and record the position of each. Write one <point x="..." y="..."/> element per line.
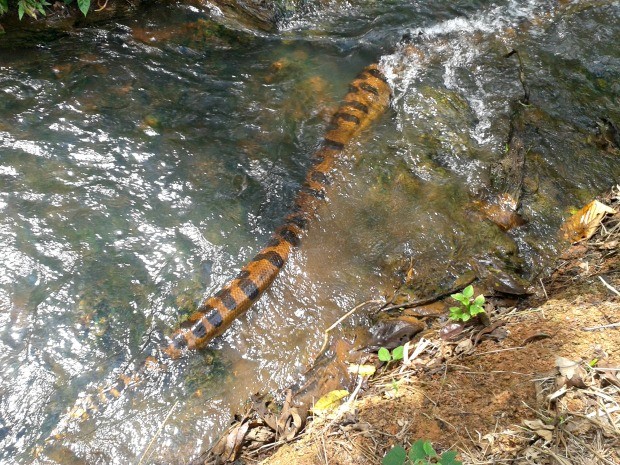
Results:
<point x="430" y="300"/>
<point x="543" y="288"/>
<point x="594" y="328"/>
<point x="353" y="396"/>
<point x="609" y="286"/>
<point x="161" y="427"/>
<point x="340" y="320"/>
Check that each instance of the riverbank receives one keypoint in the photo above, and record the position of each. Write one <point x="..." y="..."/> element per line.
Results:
<point x="250" y="15"/>
<point x="539" y="384"/>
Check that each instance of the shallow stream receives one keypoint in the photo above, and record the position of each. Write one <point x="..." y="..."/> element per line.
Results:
<point x="143" y="162"/>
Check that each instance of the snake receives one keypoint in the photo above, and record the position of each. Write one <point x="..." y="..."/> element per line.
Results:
<point x="368" y="97"/>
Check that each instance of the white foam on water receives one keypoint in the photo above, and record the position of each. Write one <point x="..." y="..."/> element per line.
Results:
<point x="457" y="43"/>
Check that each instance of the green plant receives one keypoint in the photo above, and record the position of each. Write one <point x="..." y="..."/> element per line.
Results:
<point x="469" y="308"/>
<point x="33" y="8"/>
<point x="394" y="356"/>
<point x="421" y="453"/>
<point x="394" y="386"/>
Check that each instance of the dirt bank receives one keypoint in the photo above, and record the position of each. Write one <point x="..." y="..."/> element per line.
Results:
<point x="538" y="385"/>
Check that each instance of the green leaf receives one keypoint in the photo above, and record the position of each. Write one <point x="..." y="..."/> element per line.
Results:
<point x="4" y="6"/>
<point x="461" y="298"/>
<point x="468" y="291"/>
<point x="475" y="309"/>
<point x="384" y="355"/>
<point x="398" y="353"/>
<point x="395" y="386"/>
<point x="84" y="5"/>
<point x="456" y="313"/>
<point x="448" y="458"/>
<point x="417" y="451"/>
<point x="479" y="300"/>
<point x="465" y="317"/>
<point x="395" y="456"/>
<point x="20" y="10"/>
<point x="428" y="448"/>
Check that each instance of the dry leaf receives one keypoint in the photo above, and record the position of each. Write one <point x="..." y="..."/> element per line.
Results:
<point x="451" y="330"/>
<point x="572" y="371"/>
<point x="229" y="445"/>
<point x="464" y="347"/>
<point x="609" y="375"/>
<point x="583" y="224"/>
<point x="543" y="430"/>
<point x="503" y="213"/>
<point x="566" y="367"/>
<point x="362" y="370"/>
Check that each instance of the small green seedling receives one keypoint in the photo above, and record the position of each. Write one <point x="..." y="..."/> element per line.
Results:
<point x="421" y="453"/>
<point x="469" y="308"/>
<point x="386" y="356"/>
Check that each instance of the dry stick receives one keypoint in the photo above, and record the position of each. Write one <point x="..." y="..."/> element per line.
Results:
<point x="594" y="328"/>
<point x="609" y="286"/>
<point x="430" y="300"/>
<point x="340" y="320"/>
<point x="543" y="288"/>
<point x="161" y="427"/>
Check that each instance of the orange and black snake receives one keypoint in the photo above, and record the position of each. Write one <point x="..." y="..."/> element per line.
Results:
<point x="368" y="97"/>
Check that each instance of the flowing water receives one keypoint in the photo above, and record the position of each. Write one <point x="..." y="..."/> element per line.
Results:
<point x="143" y="162"/>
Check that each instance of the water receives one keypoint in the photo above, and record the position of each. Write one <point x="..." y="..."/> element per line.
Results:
<point x="142" y="163"/>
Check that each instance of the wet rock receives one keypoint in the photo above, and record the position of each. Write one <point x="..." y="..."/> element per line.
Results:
<point x="262" y="14"/>
<point x="392" y="332"/>
<point x="495" y="280"/>
<point x="501" y="212"/>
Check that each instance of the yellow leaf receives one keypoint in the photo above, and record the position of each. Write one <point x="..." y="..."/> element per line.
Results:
<point x="362" y="370"/>
<point x="329" y="401"/>
<point x="583" y="224"/>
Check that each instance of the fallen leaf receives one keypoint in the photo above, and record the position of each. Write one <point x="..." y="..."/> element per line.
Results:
<point x="566" y="367"/>
<point x="229" y="445"/>
<point x="464" y="347"/>
<point x="451" y="330"/>
<point x="329" y="401"/>
<point x="502" y="213"/>
<point x="572" y="371"/>
<point x="488" y="331"/>
<point x="583" y="224"/>
<point x="362" y="370"/>
<point x="265" y="409"/>
<point x="490" y="438"/>
<point x="609" y="374"/>
<point x="543" y="430"/>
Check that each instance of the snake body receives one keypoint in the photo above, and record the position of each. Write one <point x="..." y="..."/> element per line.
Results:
<point x="368" y="97"/>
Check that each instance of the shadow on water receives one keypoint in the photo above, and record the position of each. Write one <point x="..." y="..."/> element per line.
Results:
<point x="142" y="163"/>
